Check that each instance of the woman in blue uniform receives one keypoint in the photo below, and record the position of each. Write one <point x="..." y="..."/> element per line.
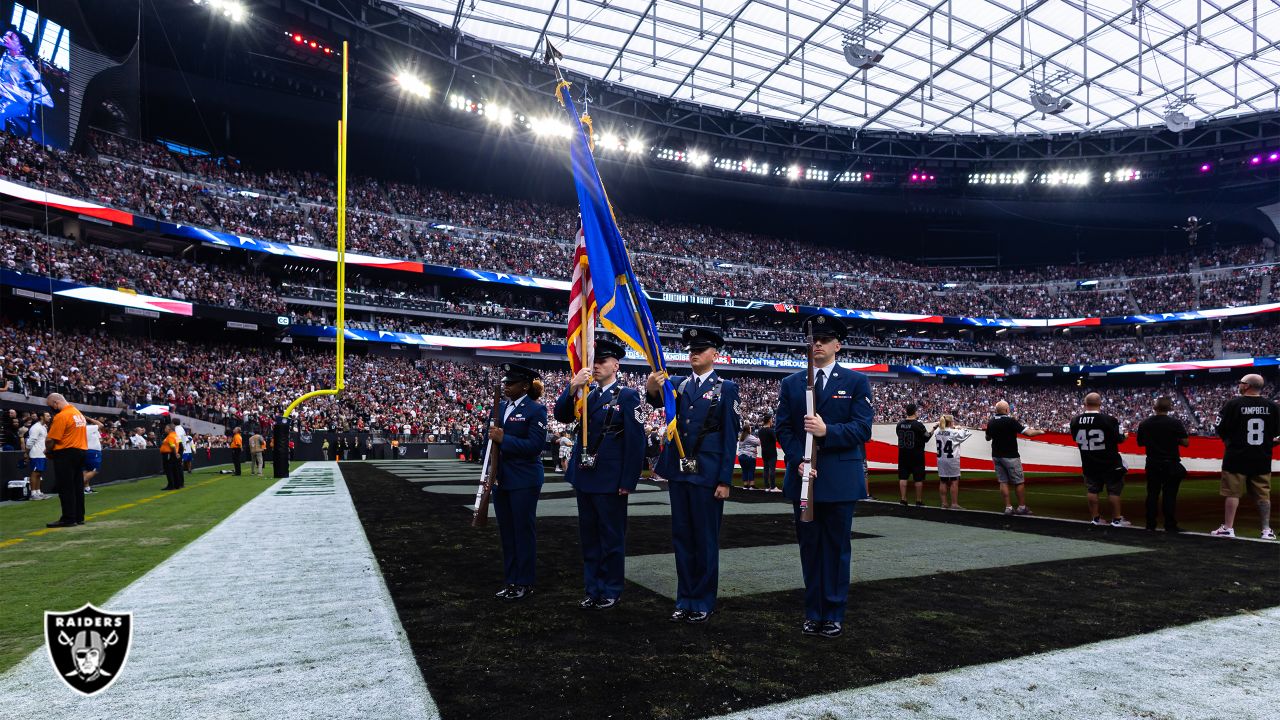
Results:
<point x="520" y="439"/>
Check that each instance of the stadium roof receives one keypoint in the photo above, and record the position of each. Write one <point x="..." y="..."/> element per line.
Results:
<point x="949" y="66"/>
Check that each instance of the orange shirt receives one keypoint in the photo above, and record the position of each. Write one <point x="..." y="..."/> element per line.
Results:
<point x="170" y="444"/>
<point x="236" y="441"/>
<point x="67" y="429"/>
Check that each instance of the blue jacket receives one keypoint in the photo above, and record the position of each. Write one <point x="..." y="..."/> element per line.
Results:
<point x="846" y="408"/>
<point x="619" y="451"/>
<point x="717" y="452"/>
<point x="524" y="436"/>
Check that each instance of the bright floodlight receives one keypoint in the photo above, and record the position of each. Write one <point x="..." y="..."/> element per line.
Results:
<point x="635" y="145"/>
<point x="231" y="9"/>
<point x="412" y="84"/>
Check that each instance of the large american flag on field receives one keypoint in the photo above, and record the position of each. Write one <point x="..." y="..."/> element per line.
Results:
<point x="582" y="313"/>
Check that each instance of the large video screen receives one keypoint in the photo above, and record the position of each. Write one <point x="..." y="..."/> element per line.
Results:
<point x="35" y="74"/>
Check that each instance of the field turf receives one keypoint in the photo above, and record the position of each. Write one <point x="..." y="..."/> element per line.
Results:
<point x="130" y="528"/>
<point x="543" y="657"/>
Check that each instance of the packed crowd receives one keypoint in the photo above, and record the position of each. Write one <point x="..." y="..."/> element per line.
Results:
<point x="489" y="232"/>
<point x="249" y="386"/>
<point x="33" y="252"/>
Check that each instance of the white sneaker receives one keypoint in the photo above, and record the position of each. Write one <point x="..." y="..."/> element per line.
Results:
<point x="1224" y="531"/>
<point x="1098" y="521"/>
<point x="1268" y="534"/>
<point x="1120" y="522"/>
<point x="37" y="495"/>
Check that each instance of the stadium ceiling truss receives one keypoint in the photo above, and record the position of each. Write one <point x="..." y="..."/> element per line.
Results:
<point x="949" y="66"/>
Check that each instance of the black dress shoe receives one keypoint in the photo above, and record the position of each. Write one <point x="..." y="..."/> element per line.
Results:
<point x="810" y="627"/>
<point x="606" y="603"/>
<point x="831" y="629"/>
<point x="61" y="523"/>
<point x="697" y="618"/>
<point x="679" y="615"/>
<point x="504" y="593"/>
<point x="518" y="592"/>
<point x="587" y="603"/>
<point x="79" y="522"/>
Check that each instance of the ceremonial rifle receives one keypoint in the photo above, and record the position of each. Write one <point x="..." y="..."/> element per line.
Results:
<point x="810" y="459"/>
<point x="488" y="471"/>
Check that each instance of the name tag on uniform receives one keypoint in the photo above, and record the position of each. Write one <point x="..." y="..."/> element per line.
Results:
<point x="513" y="418"/>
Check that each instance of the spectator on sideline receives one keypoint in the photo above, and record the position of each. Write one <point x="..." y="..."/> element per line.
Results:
<point x="237" y="445"/>
<point x="1002" y="432"/>
<point x="36" y="437"/>
<point x="769" y="453"/>
<point x="256" y="445"/>
<point x="188" y="443"/>
<point x="912" y="437"/>
<point x="66" y="446"/>
<point x="1098" y="436"/>
<point x="93" y="451"/>
<point x="949" y="437"/>
<point x="10" y="428"/>
<point x="1161" y="434"/>
<point x="138" y="440"/>
<point x="748" y="448"/>
<point x="1248" y="425"/>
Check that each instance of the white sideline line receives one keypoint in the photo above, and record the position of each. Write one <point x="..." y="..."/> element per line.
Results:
<point x="1226" y="669"/>
<point x="279" y="611"/>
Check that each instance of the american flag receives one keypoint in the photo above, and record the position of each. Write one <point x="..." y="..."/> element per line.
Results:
<point x="582" y="313"/>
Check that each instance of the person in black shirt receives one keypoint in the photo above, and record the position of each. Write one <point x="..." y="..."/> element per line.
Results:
<point x="912" y="437"/>
<point x="1098" y="436"/>
<point x="1003" y="431"/>
<point x="1248" y="425"/>
<point x="1162" y="434"/>
<point x="769" y="453"/>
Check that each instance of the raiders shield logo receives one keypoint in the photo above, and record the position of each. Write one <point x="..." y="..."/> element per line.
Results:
<point x="88" y="647"/>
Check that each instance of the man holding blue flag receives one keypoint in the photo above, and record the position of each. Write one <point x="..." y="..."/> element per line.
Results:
<point x="606" y="460"/>
<point x="699" y="478"/>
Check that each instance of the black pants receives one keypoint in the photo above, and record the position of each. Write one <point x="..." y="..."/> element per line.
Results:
<point x="173" y="471"/>
<point x="770" y="471"/>
<point x="1163" y="477"/>
<point x="68" y="471"/>
<point x="235" y="459"/>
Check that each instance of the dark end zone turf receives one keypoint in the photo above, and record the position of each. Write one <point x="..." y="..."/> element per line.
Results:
<point x="543" y="657"/>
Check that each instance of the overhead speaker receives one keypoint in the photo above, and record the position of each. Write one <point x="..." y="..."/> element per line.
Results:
<point x="1177" y="121"/>
<point x="860" y="57"/>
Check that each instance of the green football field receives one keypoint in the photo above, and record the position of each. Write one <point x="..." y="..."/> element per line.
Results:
<point x="130" y="527"/>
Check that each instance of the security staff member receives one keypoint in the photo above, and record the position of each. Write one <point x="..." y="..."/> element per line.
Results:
<point x="841" y="424"/>
<point x="520" y="440"/>
<point x="65" y="446"/>
<point x="170" y="455"/>
<point x="708" y="422"/>
<point x="237" y="447"/>
<point x="605" y="472"/>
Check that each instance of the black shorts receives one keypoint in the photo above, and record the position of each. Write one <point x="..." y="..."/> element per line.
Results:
<point x="913" y="469"/>
<point x="1112" y="481"/>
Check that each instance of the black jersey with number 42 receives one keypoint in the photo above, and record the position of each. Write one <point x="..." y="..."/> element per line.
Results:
<point x="1247" y="426"/>
<point x="1098" y="436"/>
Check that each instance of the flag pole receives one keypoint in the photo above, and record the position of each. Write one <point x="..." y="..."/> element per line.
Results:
<point x="582" y="353"/>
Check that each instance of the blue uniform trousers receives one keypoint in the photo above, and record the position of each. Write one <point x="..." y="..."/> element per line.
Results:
<point x="824" y="558"/>
<point x="695" y="533"/>
<point x="516" y="511"/>
<point x="602" y="527"/>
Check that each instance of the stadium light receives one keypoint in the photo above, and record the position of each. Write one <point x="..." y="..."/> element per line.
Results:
<point x="412" y="84"/>
<point x="230" y="9"/>
<point x="697" y="159"/>
<point x="635" y="146"/>
<point x="1206" y="167"/>
<point x="550" y="127"/>
<point x="1122" y="175"/>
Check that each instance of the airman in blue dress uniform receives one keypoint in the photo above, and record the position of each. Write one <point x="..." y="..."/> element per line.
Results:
<point x="708" y="424"/>
<point x="841" y="425"/>
<point x="605" y="472"/>
<point x="521" y="439"/>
